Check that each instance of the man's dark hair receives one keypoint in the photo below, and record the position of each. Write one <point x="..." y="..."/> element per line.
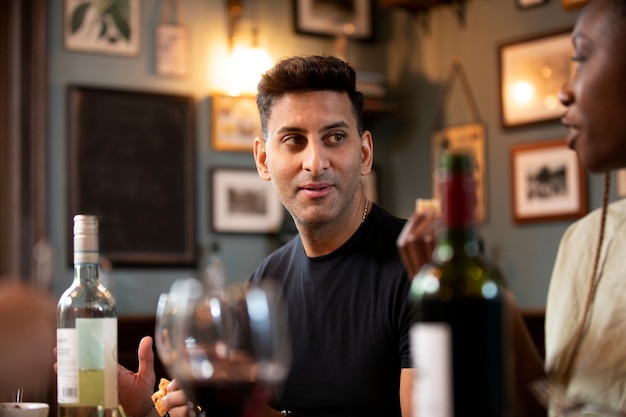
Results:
<point x="308" y="73"/>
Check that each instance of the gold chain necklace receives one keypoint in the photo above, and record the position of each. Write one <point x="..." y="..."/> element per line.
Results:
<point x="367" y="203"/>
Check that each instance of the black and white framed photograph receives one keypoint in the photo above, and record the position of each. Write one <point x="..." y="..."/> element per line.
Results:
<point x="548" y="182"/>
<point x="350" y="18"/>
<point x="113" y="29"/>
<point x="532" y="72"/>
<point x="242" y="202"/>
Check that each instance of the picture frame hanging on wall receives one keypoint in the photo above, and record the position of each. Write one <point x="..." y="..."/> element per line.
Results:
<point x="235" y="123"/>
<point x="242" y="202"/>
<point x="114" y="30"/>
<point x="352" y="19"/>
<point x="548" y="182"/>
<point x="469" y="138"/>
<point x="532" y="72"/>
<point x="131" y="163"/>
<point x="172" y="50"/>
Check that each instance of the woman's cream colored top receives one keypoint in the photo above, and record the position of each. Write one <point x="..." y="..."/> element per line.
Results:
<point x="599" y="369"/>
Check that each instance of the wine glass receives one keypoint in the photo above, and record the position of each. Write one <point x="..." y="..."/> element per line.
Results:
<point x="234" y="346"/>
<point x="168" y="307"/>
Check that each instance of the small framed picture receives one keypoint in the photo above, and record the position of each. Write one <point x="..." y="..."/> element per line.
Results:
<point x="172" y="56"/>
<point x="349" y="18"/>
<point x="548" y="182"/>
<point x="242" y="202"/>
<point x="469" y="138"/>
<point x="111" y="30"/>
<point x="236" y="122"/>
<point x="532" y="72"/>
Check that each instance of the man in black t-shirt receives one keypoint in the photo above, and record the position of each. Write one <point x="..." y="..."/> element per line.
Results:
<point x="345" y="286"/>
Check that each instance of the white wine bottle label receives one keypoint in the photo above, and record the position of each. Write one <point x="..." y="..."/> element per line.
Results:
<point x="431" y="352"/>
<point x="92" y="347"/>
<point x="67" y="366"/>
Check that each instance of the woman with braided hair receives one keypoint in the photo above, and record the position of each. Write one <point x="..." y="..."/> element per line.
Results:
<point x="586" y="307"/>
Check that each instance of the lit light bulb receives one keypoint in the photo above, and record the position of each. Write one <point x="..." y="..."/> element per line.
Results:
<point x="522" y="92"/>
<point x="247" y="64"/>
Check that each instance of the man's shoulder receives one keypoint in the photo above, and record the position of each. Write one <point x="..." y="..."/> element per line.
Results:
<point x="384" y="220"/>
<point x="280" y="258"/>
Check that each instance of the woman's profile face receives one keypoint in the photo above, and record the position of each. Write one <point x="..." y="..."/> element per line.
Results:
<point x="596" y="95"/>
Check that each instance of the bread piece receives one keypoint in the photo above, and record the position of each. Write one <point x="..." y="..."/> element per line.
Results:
<point x="425" y="203"/>
<point x="157" y="397"/>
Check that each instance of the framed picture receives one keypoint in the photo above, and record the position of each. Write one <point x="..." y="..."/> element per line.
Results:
<point x="242" y="202"/>
<point x="172" y="55"/>
<point x="525" y="4"/>
<point x="349" y="18"/>
<point x="532" y="72"/>
<point x="548" y="182"/>
<point x="131" y="163"/>
<point x="471" y="139"/>
<point x="112" y="30"/>
<point x="236" y="122"/>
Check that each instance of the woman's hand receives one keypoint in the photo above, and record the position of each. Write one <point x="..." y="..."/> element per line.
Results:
<point x="417" y="239"/>
<point x="176" y="402"/>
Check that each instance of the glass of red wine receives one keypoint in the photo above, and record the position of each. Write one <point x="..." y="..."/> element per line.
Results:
<point x="234" y="346"/>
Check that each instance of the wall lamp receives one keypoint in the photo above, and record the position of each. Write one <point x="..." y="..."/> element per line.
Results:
<point x="246" y="59"/>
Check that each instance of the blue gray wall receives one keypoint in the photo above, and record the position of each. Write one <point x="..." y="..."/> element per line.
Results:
<point x="416" y="62"/>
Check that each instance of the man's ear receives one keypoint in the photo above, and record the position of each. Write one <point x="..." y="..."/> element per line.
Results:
<point x="367" y="152"/>
<point x="260" y="159"/>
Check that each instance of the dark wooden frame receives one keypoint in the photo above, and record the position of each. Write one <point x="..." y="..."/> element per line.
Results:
<point x="259" y="211"/>
<point x="540" y="159"/>
<point x="551" y="49"/>
<point x="131" y="163"/>
<point x="331" y="22"/>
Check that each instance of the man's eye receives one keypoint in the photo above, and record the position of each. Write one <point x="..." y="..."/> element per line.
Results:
<point x="293" y="140"/>
<point x="336" y="138"/>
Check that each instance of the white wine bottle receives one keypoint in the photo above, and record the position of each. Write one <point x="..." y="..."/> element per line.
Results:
<point x="86" y="334"/>
<point x="458" y="340"/>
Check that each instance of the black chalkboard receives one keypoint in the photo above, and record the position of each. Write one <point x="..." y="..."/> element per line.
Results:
<point x="131" y="163"/>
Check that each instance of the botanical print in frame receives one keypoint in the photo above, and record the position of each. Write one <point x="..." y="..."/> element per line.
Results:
<point x="102" y="27"/>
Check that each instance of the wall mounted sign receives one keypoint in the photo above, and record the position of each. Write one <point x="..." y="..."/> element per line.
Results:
<point x="131" y="163"/>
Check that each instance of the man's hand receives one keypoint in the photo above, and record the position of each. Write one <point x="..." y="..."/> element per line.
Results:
<point x="135" y="389"/>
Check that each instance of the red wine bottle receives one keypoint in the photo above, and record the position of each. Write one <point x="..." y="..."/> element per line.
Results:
<point x="458" y="339"/>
